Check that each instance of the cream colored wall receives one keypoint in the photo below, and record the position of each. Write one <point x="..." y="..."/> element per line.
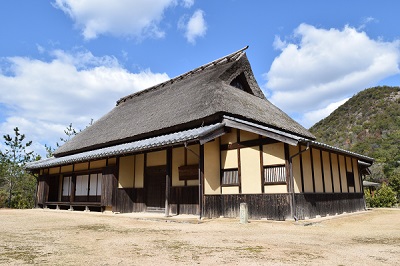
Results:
<point x="178" y="159"/>
<point x="112" y="161"/>
<point x="335" y="172"/>
<point x="193" y="159"/>
<point x="274" y="154"/>
<point x="245" y="135"/>
<point x="229" y="159"/>
<point x="270" y="189"/>
<point x="157" y="158"/>
<point x="81" y="166"/>
<point x="54" y="170"/>
<point x="250" y="170"/>
<point x="229" y="138"/>
<point x="67" y="168"/>
<point x="230" y="190"/>
<point x="212" y="182"/>
<point x="307" y="174"/>
<point x="126" y="172"/>
<point x="317" y="170"/>
<point x="139" y="171"/>
<point x="98" y="164"/>
<point x="192" y="182"/>
<point x="296" y="168"/>
<point x="343" y="173"/>
<point x="356" y="175"/>
<point x="327" y="172"/>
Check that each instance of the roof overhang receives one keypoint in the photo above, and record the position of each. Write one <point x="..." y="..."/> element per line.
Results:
<point x="290" y="138"/>
<point x="201" y="135"/>
<point x="261" y="130"/>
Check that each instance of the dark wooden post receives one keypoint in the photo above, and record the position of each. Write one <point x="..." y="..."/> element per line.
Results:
<point x="72" y="189"/>
<point x="168" y="180"/>
<point x="201" y="181"/>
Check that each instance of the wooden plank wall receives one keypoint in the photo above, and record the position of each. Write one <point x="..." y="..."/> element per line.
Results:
<point x="277" y="206"/>
<point x="184" y="200"/>
<point x="130" y="200"/>
<point x="270" y="206"/>
<point x="310" y="204"/>
<point x="42" y="191"/>
<point x="109" y="186"/>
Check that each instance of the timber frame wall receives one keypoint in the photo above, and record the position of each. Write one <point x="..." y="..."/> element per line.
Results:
<point x="320" y="178"/>
<point x="211" y="180"/>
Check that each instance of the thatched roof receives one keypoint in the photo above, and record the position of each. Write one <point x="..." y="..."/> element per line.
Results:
<point x="199" y="97"/>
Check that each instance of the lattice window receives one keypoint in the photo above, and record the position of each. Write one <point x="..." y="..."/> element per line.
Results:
<point x="275" y="174"/>
<point x="230" y="177"/>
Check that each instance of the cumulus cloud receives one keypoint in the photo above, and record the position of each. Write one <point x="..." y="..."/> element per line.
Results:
<point x="42" y="98"/>
<point x="310" y="118"/>
<point x="319" y="66"/>
<point x="194" y="27"/>
<point x="139" y="18"/>
<point x="187" y="3"/>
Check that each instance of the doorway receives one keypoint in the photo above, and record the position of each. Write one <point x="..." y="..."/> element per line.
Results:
<point x="155" y="187"/>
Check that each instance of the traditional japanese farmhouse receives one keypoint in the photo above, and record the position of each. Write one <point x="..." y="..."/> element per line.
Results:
<point x="202" y="143"/>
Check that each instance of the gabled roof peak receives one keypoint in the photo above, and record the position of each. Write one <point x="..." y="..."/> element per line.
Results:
<point x="228" y="58"/>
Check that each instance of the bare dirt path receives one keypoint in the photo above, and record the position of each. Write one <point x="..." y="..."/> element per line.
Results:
<point x="50" y="237"/>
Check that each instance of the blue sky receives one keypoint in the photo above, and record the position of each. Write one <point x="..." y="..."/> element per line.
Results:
<point x="65" y="61"/>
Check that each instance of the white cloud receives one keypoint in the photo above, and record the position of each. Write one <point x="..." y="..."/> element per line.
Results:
<point x="310" y="118"/>
<point x="139" y="18"/>
<point x="187" y="3"/>
<point x="327" y="66"/>
<point x="42" y="98"/>
<point x="195" y="27"/>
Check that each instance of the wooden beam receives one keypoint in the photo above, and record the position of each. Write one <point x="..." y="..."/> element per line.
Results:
<point x="322" y="171"/>
<point x="201" y="181"/>
<point x="287" y="168"/>
<point x="168" y="181"/>
<point x="247" y="143"/>
<point x="239" y="167"/>
<point x="262" y="166"/>
<point x="301" y="170"/>
<point x="312" y="169"/>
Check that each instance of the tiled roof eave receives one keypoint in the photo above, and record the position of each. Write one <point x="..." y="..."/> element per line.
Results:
<point x="128" y="148"/>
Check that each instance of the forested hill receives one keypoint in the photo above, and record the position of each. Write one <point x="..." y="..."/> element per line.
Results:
<point x="368" y="123"/>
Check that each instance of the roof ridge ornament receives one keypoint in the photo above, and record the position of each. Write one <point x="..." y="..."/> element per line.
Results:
<point x="228" y="58"/>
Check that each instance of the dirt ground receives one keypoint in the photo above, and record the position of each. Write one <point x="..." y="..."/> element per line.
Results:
<point x="51" y="237"/>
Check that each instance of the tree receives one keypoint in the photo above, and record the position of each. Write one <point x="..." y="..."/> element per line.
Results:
<point x="69" y="132"/>
<point x="13" y="160"/>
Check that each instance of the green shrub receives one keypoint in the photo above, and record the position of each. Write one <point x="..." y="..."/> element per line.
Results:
<point x="384" y="197"/>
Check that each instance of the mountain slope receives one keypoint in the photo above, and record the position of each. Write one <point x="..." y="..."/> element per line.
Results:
<point x="368" y="123"/>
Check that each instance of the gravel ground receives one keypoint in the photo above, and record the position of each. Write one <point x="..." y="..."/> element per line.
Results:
<point x="51" y="237"/>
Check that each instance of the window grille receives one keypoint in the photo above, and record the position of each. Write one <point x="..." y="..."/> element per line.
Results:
<point x="230" y="177"/>
<point x="275" y="174"/>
